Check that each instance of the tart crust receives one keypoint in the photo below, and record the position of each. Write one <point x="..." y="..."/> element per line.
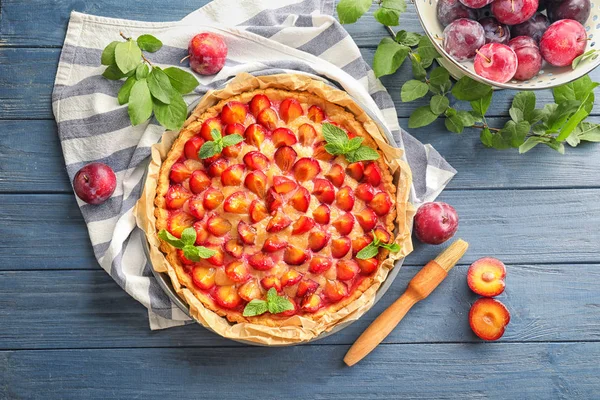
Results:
<point x="334" y="114"/>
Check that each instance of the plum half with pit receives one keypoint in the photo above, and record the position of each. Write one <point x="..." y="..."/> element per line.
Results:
<point x="462" y="38"/>
<point x="495" y="32"/>
<point x="496" y="62"/>
<point x="578" y="10"/>
<point x="94" y="183"/>
<point x="451" y="10"/>
<point x="534" y="27"/>
<point x="562" y="42"/>
<point x="435" y="222"/>
<point x="529" y="57"/>
<point x="513" y="12"/>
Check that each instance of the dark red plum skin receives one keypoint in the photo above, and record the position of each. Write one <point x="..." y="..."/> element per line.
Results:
<point x="451" y="10"/>
<point x="435" y="222"/>
<point x="528" y="56"/>
<point x="578" y="10"/>
<point x="94" y="183"/>
<point x="534" y="27"/>
<point x="495" y="32"/>
<point x="462" y="38"/>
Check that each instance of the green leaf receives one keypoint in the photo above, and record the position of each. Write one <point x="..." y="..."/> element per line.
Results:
<point x="232" y="140"/>
<point x="392" y="247"/>
<point x="172" y="115"/>
<point x="389" y="12"/>
<point x="480" y="106"/>
<point x="576" y="90"/>
<point x="334" y="149"/>
<point x="181" y="80"/>
<point x="209" y="149"/>
<point x="255" y="307"/>
<point x="561" y="113"/>
<point x="149" y="43"/>
<point x="188" y="236"/>
<point x="466" y="118"/>
<point x="514" y="133"/>
<point x="140" y="103"/>
<point x="417" y="68"/>
<point x="523" y="107"/>
<point x="334" y="135"/>
<point x="439" y="104"/>
<point x="409" y="39"/>
<point x="127" y="55"/>
<point x="593" y="54"/>
<point x="454" y="124"/>
<point x="353" y="144"/>
<point x="486" y="137"/>
<point x="468" y="89"/>
<point x="172" y="240"/>
<point x="160" y="85"/>
<point x="370" y="251"/>
<point x="108" y="54"/>
<point x="125" y="91"/>
<point x="141" y="71"/>
<point x="277" y="304"/>
<point x="426" y="49"/>
<point x="529" y="144"/>
<point x="439" y="80"/>
<point x="588" y="131"/>
<point x="216" y="135"/>
<point x="422" y="116"/>
<point x="413" y="90"/>
<point x="555" y="145"/>
<point x="388" y="56"/>
<point x="113" y="73"/>
<point x="363" y="153"/>
<point x="572" y="123"/>
<point x="349" y="11"/>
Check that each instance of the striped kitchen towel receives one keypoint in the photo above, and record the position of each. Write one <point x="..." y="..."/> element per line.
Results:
<point x="264" y="37"/>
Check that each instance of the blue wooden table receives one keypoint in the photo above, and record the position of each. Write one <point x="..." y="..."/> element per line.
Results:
<point x="68" y="331"/>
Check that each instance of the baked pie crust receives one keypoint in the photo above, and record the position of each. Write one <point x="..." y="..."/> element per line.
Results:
<point x="340" y="277"/>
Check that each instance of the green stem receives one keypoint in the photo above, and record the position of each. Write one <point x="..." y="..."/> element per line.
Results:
<point x="485" y="126"/>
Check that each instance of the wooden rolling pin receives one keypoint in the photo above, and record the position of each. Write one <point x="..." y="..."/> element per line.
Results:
<point x="423" y="283"/>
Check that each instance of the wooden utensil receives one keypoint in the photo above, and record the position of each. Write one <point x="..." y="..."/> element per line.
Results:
<point x="423" y="283"/>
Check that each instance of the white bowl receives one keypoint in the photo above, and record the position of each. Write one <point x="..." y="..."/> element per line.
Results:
<point x="548" y="77"/>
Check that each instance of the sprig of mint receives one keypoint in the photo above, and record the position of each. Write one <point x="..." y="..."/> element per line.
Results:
<point x="372" y="249"/>
<point x="338" y="143"/>
<point x="218" y="143"/>
<point x="148" y="89"/>
<point x="388" y="13"/>
<point x="186" y="243"/>
<point x="274" y="304"/>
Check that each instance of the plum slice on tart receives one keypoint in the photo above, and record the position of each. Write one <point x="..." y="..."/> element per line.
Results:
<point x="282" y="211"/>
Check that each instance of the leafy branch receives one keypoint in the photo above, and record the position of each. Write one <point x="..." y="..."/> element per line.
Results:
<point x="147" y="89"/>
<point x="387" y="13"/>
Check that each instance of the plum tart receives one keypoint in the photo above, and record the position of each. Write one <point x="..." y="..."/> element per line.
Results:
<point x="274" y="207"/>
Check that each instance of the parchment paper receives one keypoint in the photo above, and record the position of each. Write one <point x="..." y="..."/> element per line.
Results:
<point x="297" y="329"/>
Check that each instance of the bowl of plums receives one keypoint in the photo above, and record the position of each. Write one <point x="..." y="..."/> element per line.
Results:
<point x="514" y="44"/>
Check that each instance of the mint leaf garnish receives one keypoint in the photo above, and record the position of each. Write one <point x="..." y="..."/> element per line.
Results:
<point x="186" y="243"/>
<point x="372" y="249"/>
<point x="275" y="304"/>
<point x="209" y="149"/>
<point x="188" y="236"/>
<point x="232" y="140"/>
<point x="255" y="307"/>
<point x="339" y="143"/>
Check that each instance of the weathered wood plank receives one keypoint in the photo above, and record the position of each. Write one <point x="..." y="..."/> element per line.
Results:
<point x="464" y="371"/>
<point x="561" y="225"/>
<point x="86" y="309"/>
<point x="27" y="76"/>
<point x="31" y="160"/>
<point x="20" y="24"/>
